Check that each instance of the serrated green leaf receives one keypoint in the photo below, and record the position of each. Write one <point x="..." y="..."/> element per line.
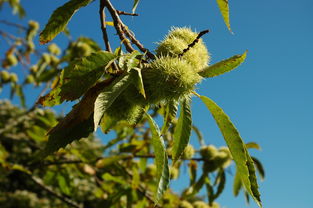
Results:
<point x="253" y="145"/>
<point x="108" y="96"/>
<point x="161" y="159"/>
<point x="259" y="167"/>
<point x="223" y="66"/>
<point x="237" y="148"/>
<point x="60" y="18"/>
<point x="83" y="73"/>
<point x="170" y="114"/>
<point x="136" y="2"/>
<point x="224" y="9"/>
<point x="237" y="184"/>
<point x="77" y="78"/>
<point x="182" y="131"/>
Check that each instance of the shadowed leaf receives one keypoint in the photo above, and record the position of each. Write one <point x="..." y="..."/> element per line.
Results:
<point x="259" y="167"/>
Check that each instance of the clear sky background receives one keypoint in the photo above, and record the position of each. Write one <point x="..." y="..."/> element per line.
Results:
<point x="269" y="97"/>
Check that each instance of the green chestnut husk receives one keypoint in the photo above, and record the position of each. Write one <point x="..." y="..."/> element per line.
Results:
<point x="177" y="40"/>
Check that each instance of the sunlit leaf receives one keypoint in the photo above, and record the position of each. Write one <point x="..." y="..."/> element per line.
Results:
<point x="110" y="23"/>
<point x="108" y="96"/>
<point x="80" y="75"/>
<point x="237" y="184"/>
<point x="253" y="145"/>
<point x="237" y="148"/>
<point x="161" y="159"/>
<point x="77" y="78"/>
<point x="224" y="9"/>
<point x="223" y="66"/>
<point x="60" y="18"/>
<point x="182" y="131"/>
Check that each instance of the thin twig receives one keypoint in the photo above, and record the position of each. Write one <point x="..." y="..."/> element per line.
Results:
<point x="103" y="26"/>
<point x="13" y="24"/>
<point x="126" y="13"/>
<point x="65" y="199"/>
<point x="194" y="42"/>
<point x="136" y="42"/>
<point x="122" y="30"/>
<point x="127" y="157"/>
<point x="118" y="26"/>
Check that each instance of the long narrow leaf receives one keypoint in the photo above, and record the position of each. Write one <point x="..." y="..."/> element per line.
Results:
<point x="223" y="66"/>
<point x="237" y="148"/>
<point x="182" y="131"/>
<point x="259" y="167"/>
<point x="60" y="18"/>
<point x="161" y="159"/>
<point x="108" y="96"/>
<point x="170" y="114"/>
<point x="237" y="184"/>
<point x="224" y="9"/>
<point x="136" y="2"/>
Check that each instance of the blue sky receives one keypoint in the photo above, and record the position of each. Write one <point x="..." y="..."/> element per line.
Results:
<point x="269" y="98"/>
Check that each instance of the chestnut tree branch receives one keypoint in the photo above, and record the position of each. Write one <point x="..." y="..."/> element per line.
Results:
<point x="103" y="26"/>
<point x="118" y="26"/>
<point x="122" y="30"/>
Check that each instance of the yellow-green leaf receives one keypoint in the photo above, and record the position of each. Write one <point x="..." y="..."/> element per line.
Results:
<point x="60" y="18"/>
<point x="253" y="145"/>
<point x="224" y="9"/>
<point x="237" y="148"/>
<point x="182" y="131"/>
<point x="223" y="66"/>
